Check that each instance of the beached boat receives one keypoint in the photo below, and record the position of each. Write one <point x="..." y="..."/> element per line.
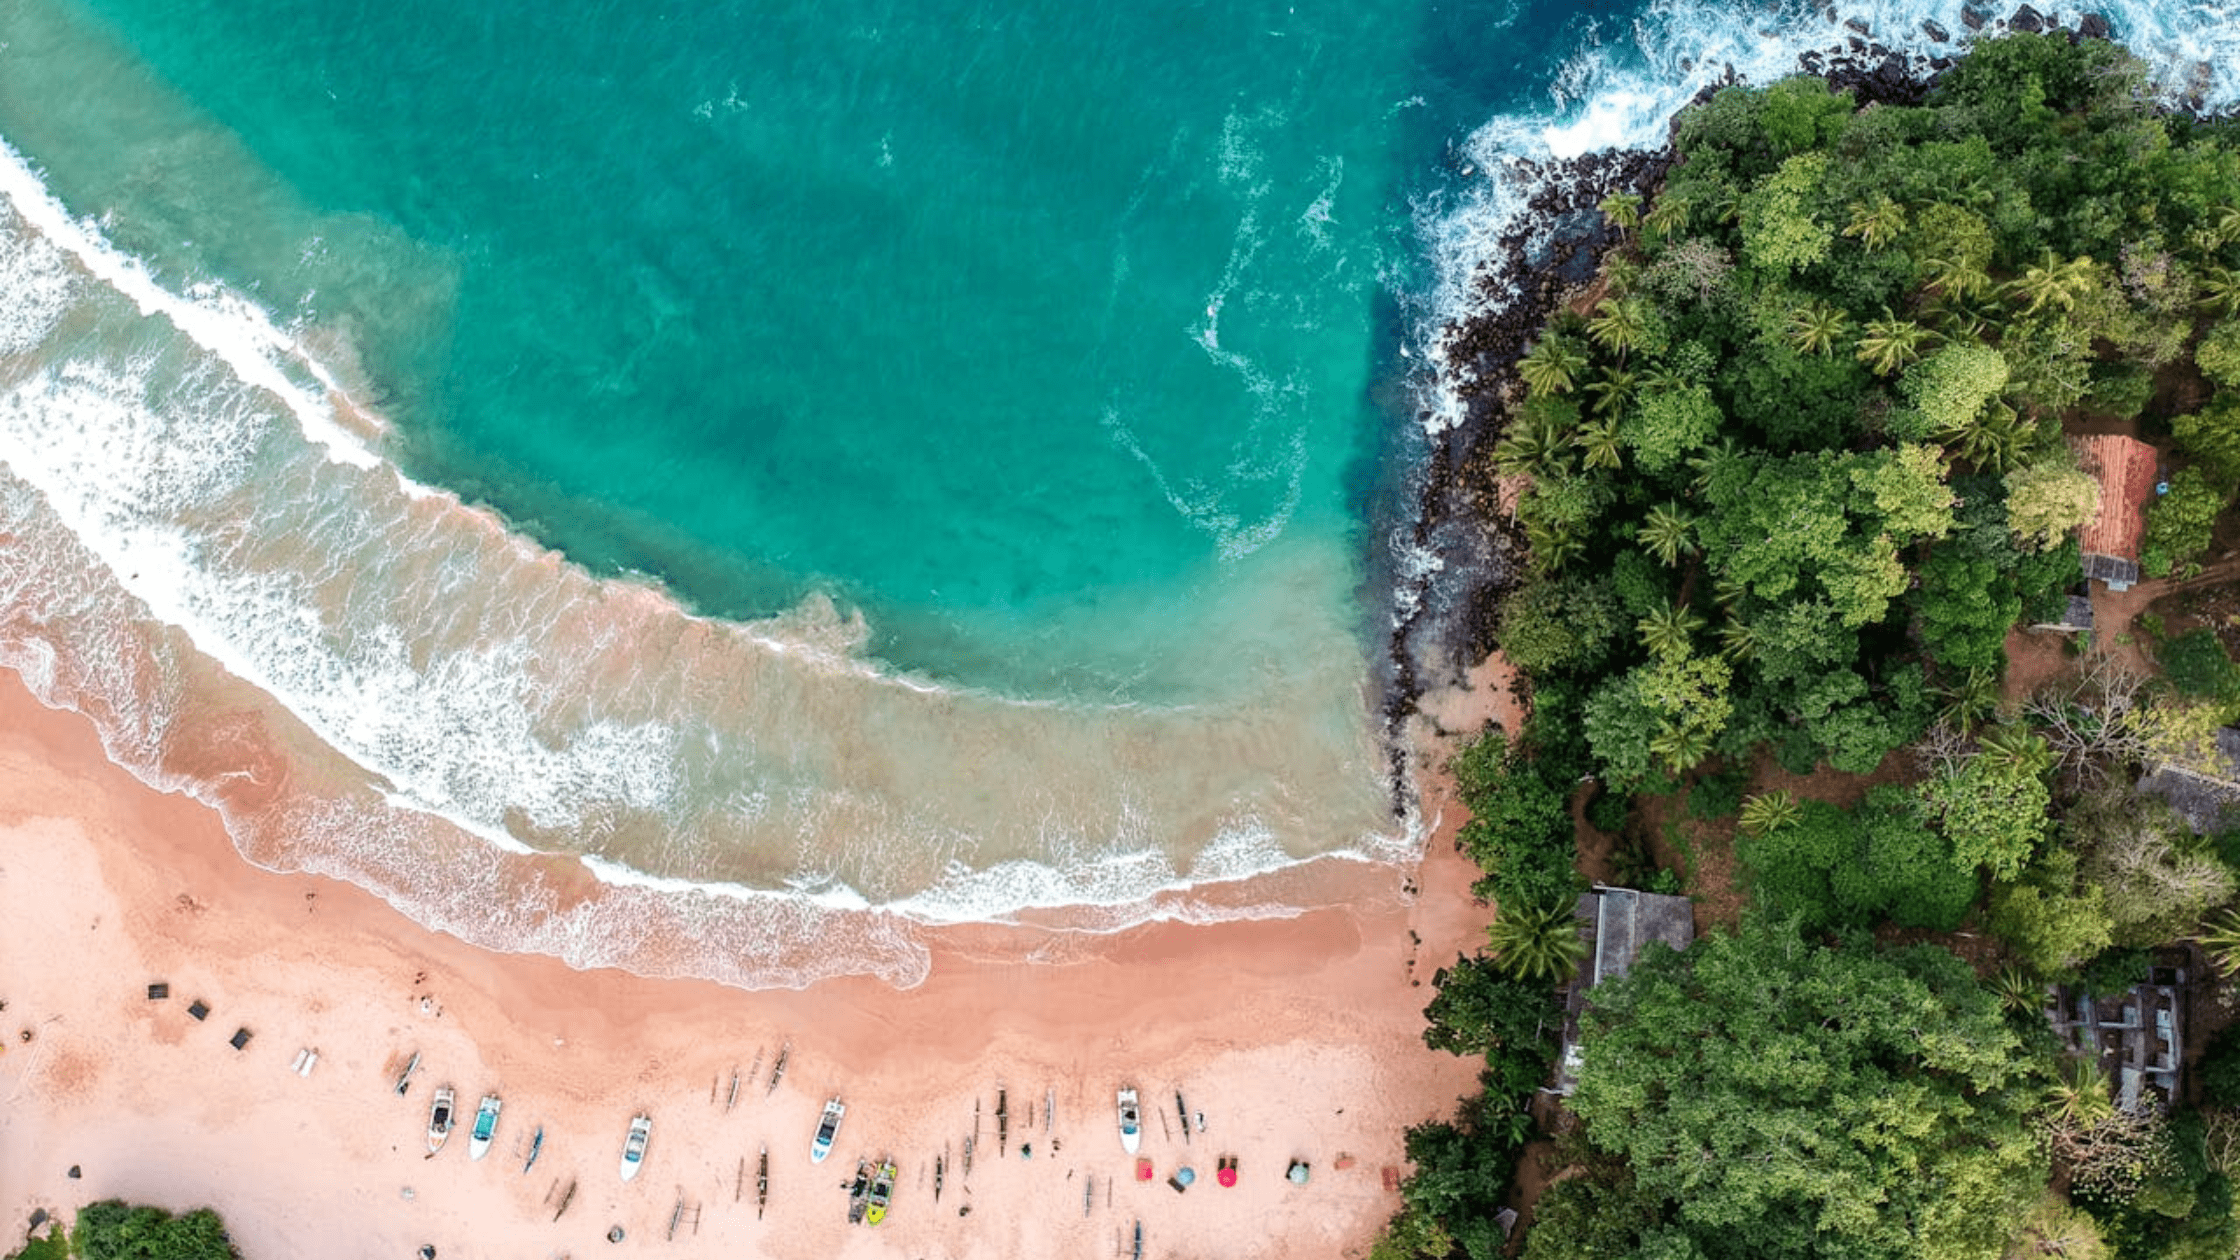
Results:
<point x="1131" y="1121"/>
<point x="634" y="1146"/>
<point x="859" y="1192"/>
<point x="828" y="1128"/>
<point x="882" y="1193"/>
<point x="440" y="1119"/>
<point x="485" y="1127"/>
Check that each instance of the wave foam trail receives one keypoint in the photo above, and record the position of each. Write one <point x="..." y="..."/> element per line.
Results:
<point x="376" y="682"/>
<point x="1620" y="90"/>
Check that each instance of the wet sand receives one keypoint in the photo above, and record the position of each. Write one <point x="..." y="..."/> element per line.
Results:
<point x="1297" y="1038"/>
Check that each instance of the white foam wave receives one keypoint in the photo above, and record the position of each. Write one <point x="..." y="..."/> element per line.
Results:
<point x="224" y="323"/>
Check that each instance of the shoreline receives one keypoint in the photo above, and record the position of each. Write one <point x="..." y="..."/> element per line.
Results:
<point x="112" y="886"/>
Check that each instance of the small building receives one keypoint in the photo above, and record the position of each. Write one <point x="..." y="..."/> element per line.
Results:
<point x="2125" y="469"/>
<point x="2204" y="788"/>
<point x="2136" y="1035"/>
<point x="1617" y="923"/>
<point x="2075" y="618"/>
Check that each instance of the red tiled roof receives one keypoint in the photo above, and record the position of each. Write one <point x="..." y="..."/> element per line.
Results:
<point x="2125" y="468"/>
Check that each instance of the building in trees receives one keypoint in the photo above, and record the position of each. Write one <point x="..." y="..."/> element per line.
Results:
<point x="2135" y="1035"/>
<point x="1620" y="923"/>
<point x="2125" y="467"/>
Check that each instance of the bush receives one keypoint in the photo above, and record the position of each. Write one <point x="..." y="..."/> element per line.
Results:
<point x="2180" y="523"/>
<point x="115" y="1230"/>
<point x="1608" y="811"/>
<point x="2196" y="664"/>
<point x="1719" y="796"/>
<point x="2219" y="1072"/>
<point x="1519" y="831"/>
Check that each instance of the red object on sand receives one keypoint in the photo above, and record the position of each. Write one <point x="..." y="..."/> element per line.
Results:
<point x="1391" y="1177"/>
<point x="1227" y="1176"/>
<point x="1143" y="1170"/>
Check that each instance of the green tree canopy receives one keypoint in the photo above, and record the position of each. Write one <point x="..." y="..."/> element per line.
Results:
<point x="1776" y="1098"/>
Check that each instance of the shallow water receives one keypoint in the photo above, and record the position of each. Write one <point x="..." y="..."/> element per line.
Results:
<point x="803" y="475"/>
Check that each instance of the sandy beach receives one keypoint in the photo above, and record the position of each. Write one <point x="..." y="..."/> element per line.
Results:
<point x="1297" y="1038"/>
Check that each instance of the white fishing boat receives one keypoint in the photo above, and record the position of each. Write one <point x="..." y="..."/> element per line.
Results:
<point x="1131" y="1121"/>
<point x="485" y="1127"/>
<point x="828" y="1128"/>
<point x="441" y="1117"/>
<point x="634" y="1146"/>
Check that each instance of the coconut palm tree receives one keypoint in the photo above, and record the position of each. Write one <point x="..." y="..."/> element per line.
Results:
<point x="1768" y="812"/>
<point x="1969" y="701"/>
<point x="2018" y="991"/>
<point x="1664" y="533"/>
<point x="2017" y="749"/>
<point x="2220" y="291"/>
<point x="1876" y="224"/>
<point x="1683" y="745"/>
<point x="1955" y="276"/>
<point x="2220" y="940"/>
<point x="2079" y="1094"/>
<point x="2053" y="282"/>
<point x="1619" y="325"/>
<point x="1537" y="943"/>
<point x="1815" y="327"/>
<point x="1711" y="460"/>
<point x="1552" y="366"/>
<point x="1737" y="639"/>
<point x="1613" y="391"/>
<point x="1623" y="210"/>
<point x="1993" y="440"/>
<point x="1669" y="631"/>
<point x="1598" y="444"/>
<point x="1534" y="446"/>
<point x="1890" y="343"/>
<point x="1669" y="217"/>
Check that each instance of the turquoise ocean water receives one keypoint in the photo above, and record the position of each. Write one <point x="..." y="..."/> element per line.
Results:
<point x="712" y="488"/>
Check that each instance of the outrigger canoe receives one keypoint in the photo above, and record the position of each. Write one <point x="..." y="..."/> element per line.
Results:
<point x="882" y="1193"/>
<point x="828" y="1128"/>
<point x="1131" y="1122"/>
<point x="634" y="1146"/>
<point x="485" y="1127"/>
<point x="440" y="1119"/>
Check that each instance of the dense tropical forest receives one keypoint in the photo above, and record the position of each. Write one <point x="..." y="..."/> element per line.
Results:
<point x="1792" y="473"/>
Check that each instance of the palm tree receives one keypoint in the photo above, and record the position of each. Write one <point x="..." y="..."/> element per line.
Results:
<point x="1669" y="631"/>
<point x="1955" y="276"/>
<point x="2018" y="991"/>
<point x="1878" y="224"/>
<point x="1613" y="391"/>
<point x="1537" y="943"/>
<point x="1737" y="639"/>
<point x="1970" y="701"/>
<point x="1598" y="444"/>
<point x="1707" y="463"/>
<point x="1623" y="210"/>
<point x="1669" y="216"/>
<point x="1552" y="366"/>
<point x="1815" y="327"/>
<point x="2224" y="224"/>
<point x="1890" y="343"/>
<point x="2221" y="942"/>
<point x="2053" y="281"/>
<point x="1727" y="590"/>
<point x="2017" y="749"/>
<point x="1768" y="812"/>
<point x="1619" y="325"/>
<point x="1684" y="746"/>
<point x="2079" y="1094"/>
<point x="1993" y="440"/>
<point x="1534" y="446"/>
<point x="1962" y="318"/>
<point x="2220" y="291"/>
<point x="1664" y="533"/>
